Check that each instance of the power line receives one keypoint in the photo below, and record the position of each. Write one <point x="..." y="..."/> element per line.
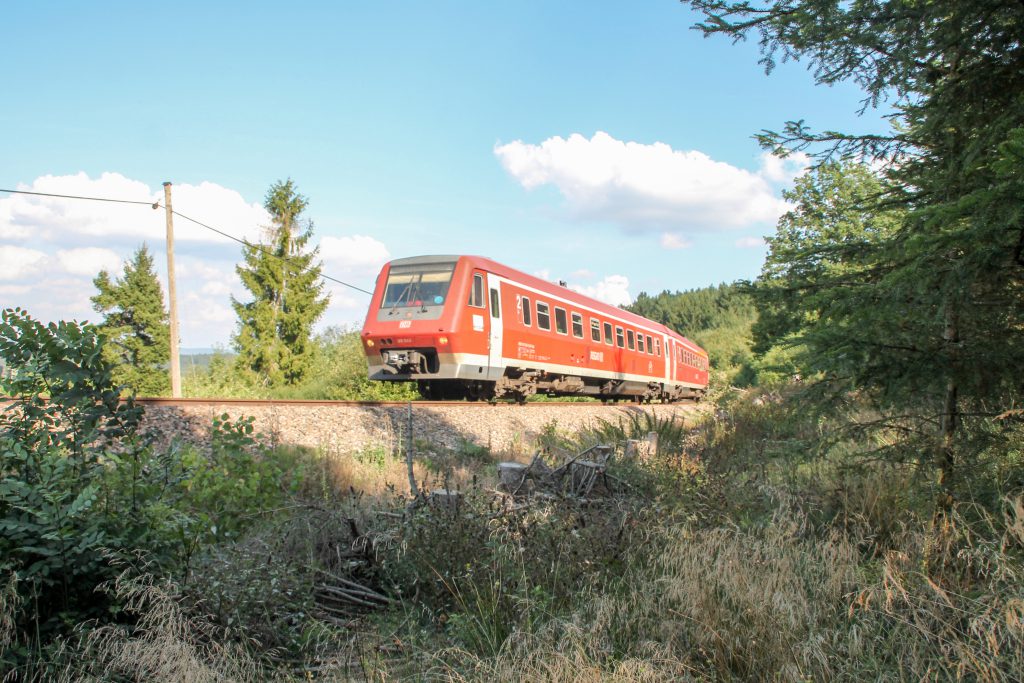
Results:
<point x="158" y="205"/>
<point x="260" y="248"/>
<point x="71" y="196"/>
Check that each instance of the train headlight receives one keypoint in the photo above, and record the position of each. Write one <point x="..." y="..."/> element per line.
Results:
<point x="369" y="343"/>
<point x="443" y="341"/>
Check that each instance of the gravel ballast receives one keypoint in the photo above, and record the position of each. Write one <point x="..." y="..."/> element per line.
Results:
<point x="348" y="428"/>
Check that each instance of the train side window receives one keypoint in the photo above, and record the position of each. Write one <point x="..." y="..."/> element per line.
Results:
<point x="608" y="334"/>
<point x="495" y="307"/>
<point x="640" y="342"/>
<point x="577" y="325"/>
<point x="527" y="317"/>
<point x="561" y="321"/>
<point x="595" y="330"/>
<point x="657" y="347"/>
<point x="650" y="345"/>
<point x="631" y="339"/>
<point x="543" y="316"/>
<point x="476" y="294"/>
<point x="620" y="339"/>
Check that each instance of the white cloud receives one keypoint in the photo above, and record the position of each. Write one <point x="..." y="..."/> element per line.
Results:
<point x="13" y="290"/>
<point x="358" y="254"/>
<point x="17" y="263"/>
<point x="53" y="219"/>
<point x="749" y="242"/>
<point x="582" y="274"/>
<point x="70" y="241"/>
<point x="89" y="261"/>
<point x="784" y="169"/>
<point x="670" y="240"/>
<point x="644" y="188"/>
<point x="613" y="289"/>
<point x="216" y="288"/>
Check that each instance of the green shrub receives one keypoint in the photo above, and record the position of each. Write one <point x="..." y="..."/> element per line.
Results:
<point x="79" y="491"/>
<point x="235" y="484"/>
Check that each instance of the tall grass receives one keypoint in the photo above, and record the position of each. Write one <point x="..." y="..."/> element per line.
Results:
<point x="778" y="603"/>
<point x="167" y="643"/>
<point x="748" y="548"/>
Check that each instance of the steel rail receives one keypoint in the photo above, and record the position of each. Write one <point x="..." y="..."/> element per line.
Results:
<point x="171" y="402"/>
<point x="362" y="404"/>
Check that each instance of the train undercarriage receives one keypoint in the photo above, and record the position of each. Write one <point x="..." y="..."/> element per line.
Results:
<point x="519" y="384"/>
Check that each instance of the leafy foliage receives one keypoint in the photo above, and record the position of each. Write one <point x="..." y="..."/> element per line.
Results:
<point x="82" y="495"/>
<point x="62" y="523"/>
<point x="338" y="373"/>
<point x="273" y="338"/>
<point x="818" y="252"/>
<point x="237" y="481"/>
<point x="718" y="318"/>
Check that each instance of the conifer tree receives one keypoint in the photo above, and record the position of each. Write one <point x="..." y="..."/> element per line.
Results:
<point x="135" y="326"/>
<point x="935" y="326"/>
<point x="283" y="278"/>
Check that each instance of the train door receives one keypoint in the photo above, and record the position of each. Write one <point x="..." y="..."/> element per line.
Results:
<point x="495" y="365"/>
<point x="670" y="359"/>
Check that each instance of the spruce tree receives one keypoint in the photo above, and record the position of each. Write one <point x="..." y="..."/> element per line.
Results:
<point x="283" y="277"/>
<point x="934" y="326"/>
<point x="135" y="326"/>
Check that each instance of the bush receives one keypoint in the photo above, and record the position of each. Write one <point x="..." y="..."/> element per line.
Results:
<point x="76" y="483"/>
<point x="82" y="495"/>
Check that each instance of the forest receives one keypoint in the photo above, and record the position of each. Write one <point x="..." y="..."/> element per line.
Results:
<point x="849" y="506"/>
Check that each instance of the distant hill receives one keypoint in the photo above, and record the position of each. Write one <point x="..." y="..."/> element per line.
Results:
<point x="719" y="318"/>
<point x="193" y="360"/>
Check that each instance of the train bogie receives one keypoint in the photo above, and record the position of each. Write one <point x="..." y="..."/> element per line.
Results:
<point x="468" y="327"/>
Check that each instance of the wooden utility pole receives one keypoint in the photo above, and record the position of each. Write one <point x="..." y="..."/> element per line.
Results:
<point x="172" y="297"/>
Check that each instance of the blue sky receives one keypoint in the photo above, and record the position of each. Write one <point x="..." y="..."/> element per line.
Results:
<point x="603" y="143"/>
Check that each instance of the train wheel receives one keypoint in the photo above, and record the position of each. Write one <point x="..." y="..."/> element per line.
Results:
<point x="427" y="390"/>
<point x="480" y="391"/>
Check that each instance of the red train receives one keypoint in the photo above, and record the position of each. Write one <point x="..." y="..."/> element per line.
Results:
<point x="468" y="327"/>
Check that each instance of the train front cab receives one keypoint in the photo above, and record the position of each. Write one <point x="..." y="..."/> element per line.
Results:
<point x="435" y="320"/>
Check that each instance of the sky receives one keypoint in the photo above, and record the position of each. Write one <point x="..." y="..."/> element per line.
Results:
<point x="606" y="144"/>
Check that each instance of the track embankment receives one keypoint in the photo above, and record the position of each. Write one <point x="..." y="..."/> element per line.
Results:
<point x="348" y="427"/>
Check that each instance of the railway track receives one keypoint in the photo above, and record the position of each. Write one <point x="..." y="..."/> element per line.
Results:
<point x="171" y="402"/>
<point x="353" y="426"/>
<point x="270" y="402"/>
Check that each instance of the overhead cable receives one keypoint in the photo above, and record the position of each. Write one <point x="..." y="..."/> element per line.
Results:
<point x="158" y="205"/>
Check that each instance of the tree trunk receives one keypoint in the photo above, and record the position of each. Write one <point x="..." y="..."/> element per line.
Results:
<point x="950" y="410"/>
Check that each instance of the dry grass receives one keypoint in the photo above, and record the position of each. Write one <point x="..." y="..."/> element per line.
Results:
<point x="378" y="472"/>
<point x="783" y="604"/>
<point x="166" y="645"/>
<point x="824" y="574"/>
<point x="9" y="604"/>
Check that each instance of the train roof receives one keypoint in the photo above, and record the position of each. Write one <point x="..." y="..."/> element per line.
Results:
<point x="492" y="266"/>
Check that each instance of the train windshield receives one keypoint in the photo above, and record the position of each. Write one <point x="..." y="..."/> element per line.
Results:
<point x="421" y="287"/>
